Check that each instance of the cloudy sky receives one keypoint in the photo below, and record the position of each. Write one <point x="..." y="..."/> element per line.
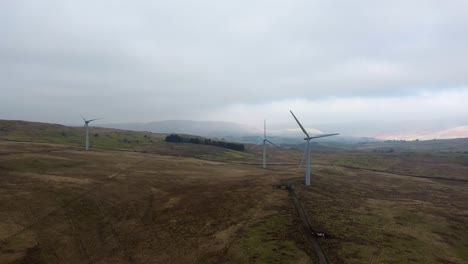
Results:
<point x="239" y="61"/>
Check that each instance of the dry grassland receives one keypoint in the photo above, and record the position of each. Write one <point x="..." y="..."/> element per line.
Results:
<point x="382" y="217"/>
<point x="71" y="206"/>
<point x="182" y="203"/>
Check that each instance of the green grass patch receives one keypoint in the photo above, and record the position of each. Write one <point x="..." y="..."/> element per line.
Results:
<point x="264" y="243"/>
<point x="226" y="155"/>
<point x="75" y="136"/>
<point x="40" y="165"/>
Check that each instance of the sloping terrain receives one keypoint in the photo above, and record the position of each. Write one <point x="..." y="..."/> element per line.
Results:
<point x="75" y="136"/>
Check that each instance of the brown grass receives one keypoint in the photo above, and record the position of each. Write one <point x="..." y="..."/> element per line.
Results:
<point x="191" y="204"/>
<point x="71" y="206"/>
<point x="372" y="217"/>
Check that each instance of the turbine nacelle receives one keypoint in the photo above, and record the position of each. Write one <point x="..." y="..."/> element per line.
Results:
<point x="90" y="120"/>
<point x="321" y="136"/>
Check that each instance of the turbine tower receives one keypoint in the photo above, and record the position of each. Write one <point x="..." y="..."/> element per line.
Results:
<point x="264" y="141"/>
<point x="307" y="149"/>
<point x="86" y="126"/>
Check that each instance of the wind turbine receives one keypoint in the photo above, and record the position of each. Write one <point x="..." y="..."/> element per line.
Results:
<point x="86" y="125"/>
<point x="265" y="140"/>
<point x="307" y="149"/>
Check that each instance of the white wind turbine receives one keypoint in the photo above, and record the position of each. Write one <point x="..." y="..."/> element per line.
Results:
<point x="86" y="126"/>
<point x="264" y="141"/>
<point x="307" y="150"/>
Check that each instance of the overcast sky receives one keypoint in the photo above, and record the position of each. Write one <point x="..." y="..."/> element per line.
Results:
<point x="240" y="61"/>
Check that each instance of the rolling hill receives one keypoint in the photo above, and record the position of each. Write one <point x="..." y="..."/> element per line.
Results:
<point x="111" y="139"/>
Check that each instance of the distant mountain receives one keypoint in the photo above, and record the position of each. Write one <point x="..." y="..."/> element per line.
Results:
<point x="406" y="130"/>
<point x="200" y="128"/>
<point x="352" y="132"/>
<point x="232" y="131"/>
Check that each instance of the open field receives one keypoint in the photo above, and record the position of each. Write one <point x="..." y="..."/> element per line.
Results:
<point x="119" y="207"/>
<point x="390" y="208"/>
<point x="437" y="165"/>
<point x="183" y="203"/>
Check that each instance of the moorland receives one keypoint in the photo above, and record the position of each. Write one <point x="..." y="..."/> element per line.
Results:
<point x="134" y="198"/>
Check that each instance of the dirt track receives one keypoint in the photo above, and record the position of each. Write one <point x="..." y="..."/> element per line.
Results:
<point x="308" y="231"/>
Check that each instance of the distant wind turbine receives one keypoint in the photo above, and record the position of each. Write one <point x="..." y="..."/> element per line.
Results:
<point x="86" y="125"/>
<point x="264" y="141"/>
<point x="307" y="149"/>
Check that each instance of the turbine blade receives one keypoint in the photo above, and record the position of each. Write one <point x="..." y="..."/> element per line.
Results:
<point x="325" y="135"/>
<point x="264" y="129"/>
<point x="299" y="123"/>
<point x="84" y="119"/>
<point x="272" y="143"/>
<point x="95" y="119"/>
<point x="256" y="145"/>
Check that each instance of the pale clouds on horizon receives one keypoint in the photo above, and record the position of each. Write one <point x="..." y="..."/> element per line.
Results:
<point x="424" y="106"/>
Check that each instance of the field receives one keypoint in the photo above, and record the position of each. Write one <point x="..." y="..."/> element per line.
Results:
<point x="406" y="208"/>
<point x="69" y="206"/>
<point x="156" y="202"/>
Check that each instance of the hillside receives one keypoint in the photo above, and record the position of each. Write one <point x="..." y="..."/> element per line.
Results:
<point x="108" y="138"/>
<point x="59" y="134"/>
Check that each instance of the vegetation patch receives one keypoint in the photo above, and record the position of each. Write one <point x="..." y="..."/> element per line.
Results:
<point x="265" y="242"/>
<point x="204" y="141"/>
<point x="374" y="218"/>
<point x="39" y="165"/>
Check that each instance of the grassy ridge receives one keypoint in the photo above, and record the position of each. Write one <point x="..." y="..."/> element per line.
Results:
<point x="75" y="136"/>
<point x="113" y="139"/>
<point x="98" y="137"/>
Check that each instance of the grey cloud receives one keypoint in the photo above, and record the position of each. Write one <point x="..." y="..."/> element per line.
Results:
<point x="153" y="60"/>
